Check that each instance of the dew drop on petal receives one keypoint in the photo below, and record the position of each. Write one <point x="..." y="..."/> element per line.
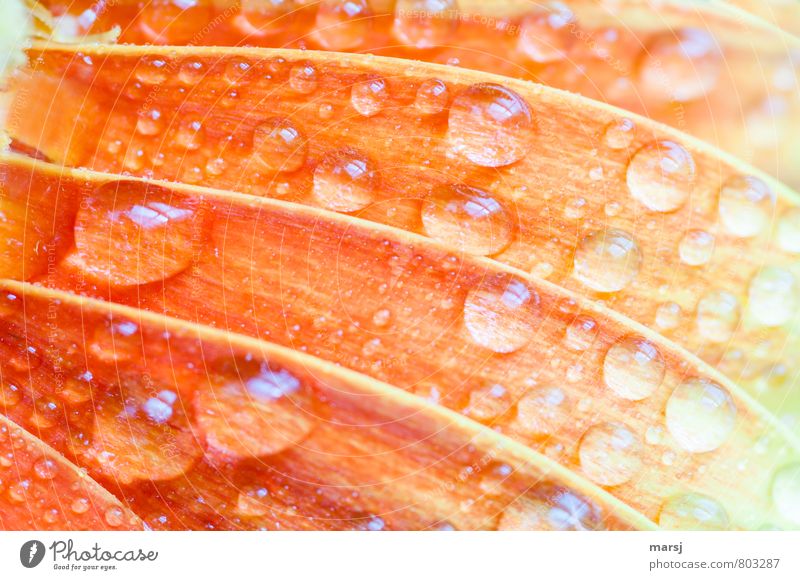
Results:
<point x="718" y="314"/>
<point x="542" y="411"/>
<point x="501" y="313"/>
<point x="745" y="206"/>
<point x="661" y="175"/>
<point x="700" y="415"/>
<point x="773" y="296"/>
<point x="546" y="34"/>
<point x="633" y="368"/>
<point x="693" y="511"/>
<point x="607" y="260"/>
<point x="345" y="180"/>
<point x="610" y="453"/>
<point x="303" y="78"/>
<point x="786" y="492"/>
<point x="619" y="134"/>
<point x="696" y="247"/>
<point x="432" y="97"/>
<point x="279" y="145"/>
<point x="369" y="96"/>
<point x="490" y="125"/>
<point x="342" y="25"/>
<point x="788" y="231"/>
<point x="468" y="219"/>
<point x="424" y="23"/>
<point x="581" y="333"/>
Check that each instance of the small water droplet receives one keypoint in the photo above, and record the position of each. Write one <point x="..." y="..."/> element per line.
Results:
<point x="382" y="317"/>
<point x="114" y="516"/>
<point x="633" y="368"/>
<point x="151" y="70"/>
<point x="260" y="18"/>
<point x="488" y="402"/>
<point x="619" y="134"/>
<point x="668" y="315"/>
<point x="773" y="296"/>
<point x="80" y="505"/>
<point x="661" y="175"/>
<point x="149" y="122"/>
<point x="45" y="468"/>
<point x="693" y="511"/>
<point x="609" y="453"/>
<point x="174" y="21"/>
<point x="468" y="219"/>
<point x="696" y="247"/>
<point x="718" y="315"/>
<point x="191" y="72"/>
<point x="542" y="412"/>
<point x="581" y="333"/>
<point x="501" y="313"/>
<point x="303" y="78"/>
<point x="786" y="492"/>
<point x="432" y="97"/>
<point x="345" y="180"/>
<point x="425" y="23"/>
<point x="369" y="96"/>
<point x="342" y="24"/>
<point x="129" y="233"/>
<point x="575" y="208"/>
<point x="279" y="145"/>
<point x="607" y="260"/>
<point x="700" y="415"/>
<point x="490" y="125"/>
<point x="189" y="134"/>
<point x="745" y="206"/>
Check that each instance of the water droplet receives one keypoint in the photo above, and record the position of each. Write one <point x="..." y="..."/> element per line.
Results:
<point x="45" y="468"/>
<point x="342" y="24"/>
<point x="151" y="70"/>
<point x="786" y="492"/>
<point x="263" y="414"/>
<point x="581" y="333"/>
<point x="382" y="317"/>
<point x="129" y="233"/>
<point x="633" y="368"/>
<point x="607" y="260"/>
<point x="696" y="247"/>
<point x="773" y="296"/>
<point x="619" y="134"/>
<point x="488" y="402"/>
<point x="425" y="23"/>
<point x="501" y="312"/>
<point x="745" y="206"/>
<point x="718" y="315"/>
<point x="191" y="72"/>
<point x="189" y="134"/>
<point x="700" y="415"/>
<point x="569" y="511"/>
<point x="693" y="511"/>
<point x="345" y="180"/>
<point x="682" y="65"/>
<point x="279" y="145"/>
<point x="788" y="232"/>
<point x="575" y="208"/>
<point x="175" y="21"/>
<point x="467" y="218"/>
<point x="546" y="34"/>
<point x="80" y="505"/>
<point x="114" y="516"/>
<point x="369" y="96"/>
<point x="490" y="125"/>
<point x="542" y="412"/>
<point x="432" y="97"/>
<point x="303" y="78"/>
<point x="149" y="122"/>
<point x="609" y="453"/>
<point x="661" y="175"/>
<point x="668" y="315"/>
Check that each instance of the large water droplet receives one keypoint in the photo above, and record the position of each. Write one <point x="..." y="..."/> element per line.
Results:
<point x="696" y="247"/>
<point x="745" y="206"/>
<point x="279" y="145"/>
<point x="633" y="368"/>
<point x="786" y="492"/>
<point x="700" y="415"/>
<point x="681" y="65"/>
<point x="432" y="96"/>
<point x="425" y="23"/>
<point x="547" y="33"/>
<point x="607" y="260"/>
<point x="718" y="315"/>
<point x="264" y="414"/>
<point x="264" y="18"/>
<point x="693" y="511"/>
<point x="342" y="24"/>
<point x="542" y="411"/>
<point x="129" y="233"/>
<point x="788" y="232"/>
<point x="369" y="96"/>
<point x="609" y="453"/>
<point x="501" y="313"/>
<point x="774" y="296"/>
<point x="490" y="125"/>
<point x="468" y="219"/>
<point x="345" y="180"/>
<point x="661" y="175"/>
